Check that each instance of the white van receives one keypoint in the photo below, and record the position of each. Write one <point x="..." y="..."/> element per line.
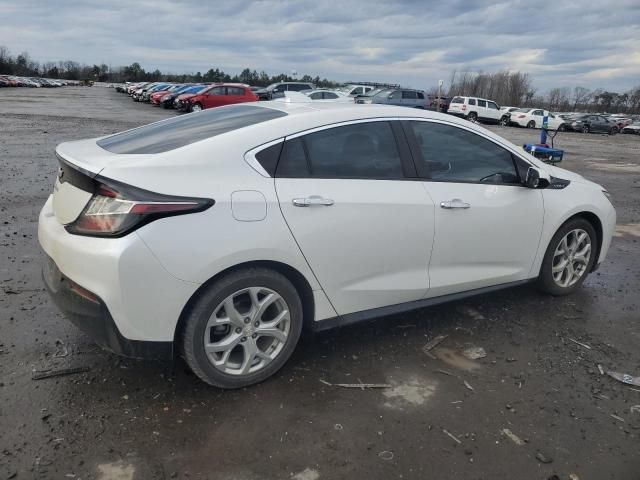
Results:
<point x="474" y="109"/>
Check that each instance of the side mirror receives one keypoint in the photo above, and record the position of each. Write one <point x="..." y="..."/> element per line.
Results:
<point x="533" y="179"/>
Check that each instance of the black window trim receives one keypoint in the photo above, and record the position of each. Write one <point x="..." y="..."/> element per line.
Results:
<point x="421" y="168"/>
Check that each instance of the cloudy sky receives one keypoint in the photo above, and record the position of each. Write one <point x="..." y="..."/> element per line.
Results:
<point x="413" y="42"/>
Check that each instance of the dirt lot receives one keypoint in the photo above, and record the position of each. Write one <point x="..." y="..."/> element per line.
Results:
<point x="128" y="419"/>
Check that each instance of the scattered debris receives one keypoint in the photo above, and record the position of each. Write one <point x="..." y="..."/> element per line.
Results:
<point x="573" y="476"/>
<point x="635" y="409"/>
<point x="61" y="352"/>
<point x="580" y="343"/>
<point x="600" y="369"/>
<point x="39" y="375"/>
<point x="620" y="419"/>
<point x="450" y="435"/>
<point x="625" y="378"/>
<point x="444" y="372"/>
<point x="357" y="385"/>
<point x="474" y="353"/>
<point x="386" y="455"/>
<point x="338" y="426"/>
<point x="516" y="439"/>
<point x="466" y="384"/>
<point x="542" y="458"/>
<point x="432" y="344"/>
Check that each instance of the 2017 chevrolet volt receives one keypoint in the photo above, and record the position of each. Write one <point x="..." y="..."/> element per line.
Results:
<point x="219" y="234"/>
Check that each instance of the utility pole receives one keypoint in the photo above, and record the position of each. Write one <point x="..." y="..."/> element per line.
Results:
<point x="440" y="83"/>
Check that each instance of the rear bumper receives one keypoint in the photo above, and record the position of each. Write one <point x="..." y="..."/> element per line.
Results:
<point x="90" y="314"/>
<point x="143" y="300"/>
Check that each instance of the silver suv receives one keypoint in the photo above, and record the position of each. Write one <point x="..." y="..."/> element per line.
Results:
<point x="276" y="90"/>
<point x="402" y="97"/>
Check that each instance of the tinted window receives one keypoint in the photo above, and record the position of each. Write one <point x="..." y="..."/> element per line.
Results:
<point x="235" y="91"/>
<point x="395" y="95"/>
<point x="482" y="103"/>
<point x="457" y="100"/>
<point x="268" y="158"/>
<point x="492" y="106"/>
<point x="180" y="131"/>
<point x="316" y="96"/>
<point x="216" y="91"/>
<point x="409" y="94"/>
<point x="365" y="150"/>
<point x="420" y="95"/>
<point x="456" y="155"/>
<point x="293" y="161"/>
<point x="329" y="95"/>
<point x="472" y="101"/>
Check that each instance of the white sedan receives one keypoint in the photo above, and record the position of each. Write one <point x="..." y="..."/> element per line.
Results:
<point x="219" y="234"/>
<point x="533" y="118"/>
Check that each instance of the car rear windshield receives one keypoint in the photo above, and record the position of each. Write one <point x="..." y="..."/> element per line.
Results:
<point x="178" y="132"/>
<point x="457" y="100"/>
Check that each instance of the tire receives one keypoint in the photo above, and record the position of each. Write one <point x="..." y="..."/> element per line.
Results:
<point x="562" y="128"/>
<point x="531" y="124"/>
<point x="546" y="280"/>
<point x="196" y="107"/>
<point x="504" y="121"/>
<point x="472" y="117"/>
<point x="613" y="131"/>
<point x="586" y="129"/>
<point x="209" y="305"/>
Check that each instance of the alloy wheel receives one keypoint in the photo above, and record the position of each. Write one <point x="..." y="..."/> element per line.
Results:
<point x="196" y="108"/>
<point x="571" y="258"/>
<point x="247" y="331"/>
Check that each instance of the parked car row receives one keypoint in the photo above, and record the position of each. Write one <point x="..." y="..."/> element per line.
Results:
<point x="483" y="110"/>
<point x="191" y="97"/>
<point x="31" y="82"/>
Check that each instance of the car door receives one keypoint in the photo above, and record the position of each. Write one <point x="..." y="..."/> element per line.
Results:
<point x="394" y="98"/>
<point x="482" y="109"/>
<point x="493" y="111"/>
<point x="214" y="97"/>
<point x="409" y="98"/>
<point x="364" y="228"/>
<point x="487" y="225"/>
<point x="537" y="116"/>
<point x="603" y="124"/>
<point x="234" y="95"/>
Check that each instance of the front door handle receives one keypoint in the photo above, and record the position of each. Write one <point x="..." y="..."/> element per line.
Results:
<point x="455" y="203"/>
<point x="311" y="201"/>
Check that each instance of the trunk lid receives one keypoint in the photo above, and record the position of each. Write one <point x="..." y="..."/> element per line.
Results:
<point x="79" y="163"/>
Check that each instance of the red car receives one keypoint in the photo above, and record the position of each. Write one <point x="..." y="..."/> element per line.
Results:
<point x="219" y="95"/>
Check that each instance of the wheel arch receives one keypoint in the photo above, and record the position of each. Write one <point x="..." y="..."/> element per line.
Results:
<point x="299" y="281"/>
<point x="595" y="222"/>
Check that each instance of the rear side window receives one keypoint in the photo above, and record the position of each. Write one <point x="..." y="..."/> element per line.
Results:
<point x="472" y="101"/>
<point x="268" y="158"/>
<point x="409" y="94"/>
<point x="452" y="154"/>
<point x="329" y="95"/>
<point x="364" y="150"/>
<point x="180" y="131"/>
<point x="420" y="95"/>
<point x="235" y="91"/>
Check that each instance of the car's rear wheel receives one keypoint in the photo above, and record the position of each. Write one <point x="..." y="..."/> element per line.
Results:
<point x="585" y="129"/>
<point x="472" y="117"/>
<point x="562" y="127"/>
<point x="504" y="121"/>
<point x="531" y="124"/>
<point x="242" y="328"/>
<point x="569" y="258"/>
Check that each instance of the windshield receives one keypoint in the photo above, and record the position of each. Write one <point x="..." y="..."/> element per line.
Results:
<point x="457" y="100"/>
<point x="523" y="110"/>
<point x="373" y="93"/>
<point x="345" y="88"/>
<point x="386" y="91"/>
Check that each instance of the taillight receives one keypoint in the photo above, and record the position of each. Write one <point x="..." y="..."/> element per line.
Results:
<point x="521" y="116"/>
<point x="117" y="209"/>
<point x="464" y="107"/>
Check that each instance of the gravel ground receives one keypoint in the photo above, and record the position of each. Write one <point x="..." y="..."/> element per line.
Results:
<point x="536" y="406"/>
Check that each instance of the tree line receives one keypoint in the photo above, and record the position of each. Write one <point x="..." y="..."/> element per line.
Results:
<point x="516" y="89"/>
<point x="22" y="65"/>
<point x="504" y="87"/>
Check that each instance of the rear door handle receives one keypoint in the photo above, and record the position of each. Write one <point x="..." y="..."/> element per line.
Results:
<point x="455" y="203"/>
<point x="312" y="201"/>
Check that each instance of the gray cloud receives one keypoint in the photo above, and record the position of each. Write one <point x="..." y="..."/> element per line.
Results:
<point x="411" y="42"/>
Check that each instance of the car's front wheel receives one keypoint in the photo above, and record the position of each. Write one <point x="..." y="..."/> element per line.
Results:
<point x="242" y="328"/>
<point x="569" y="257"/>
<point x="504" y="121"/>
<point x="196" y="107"/>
